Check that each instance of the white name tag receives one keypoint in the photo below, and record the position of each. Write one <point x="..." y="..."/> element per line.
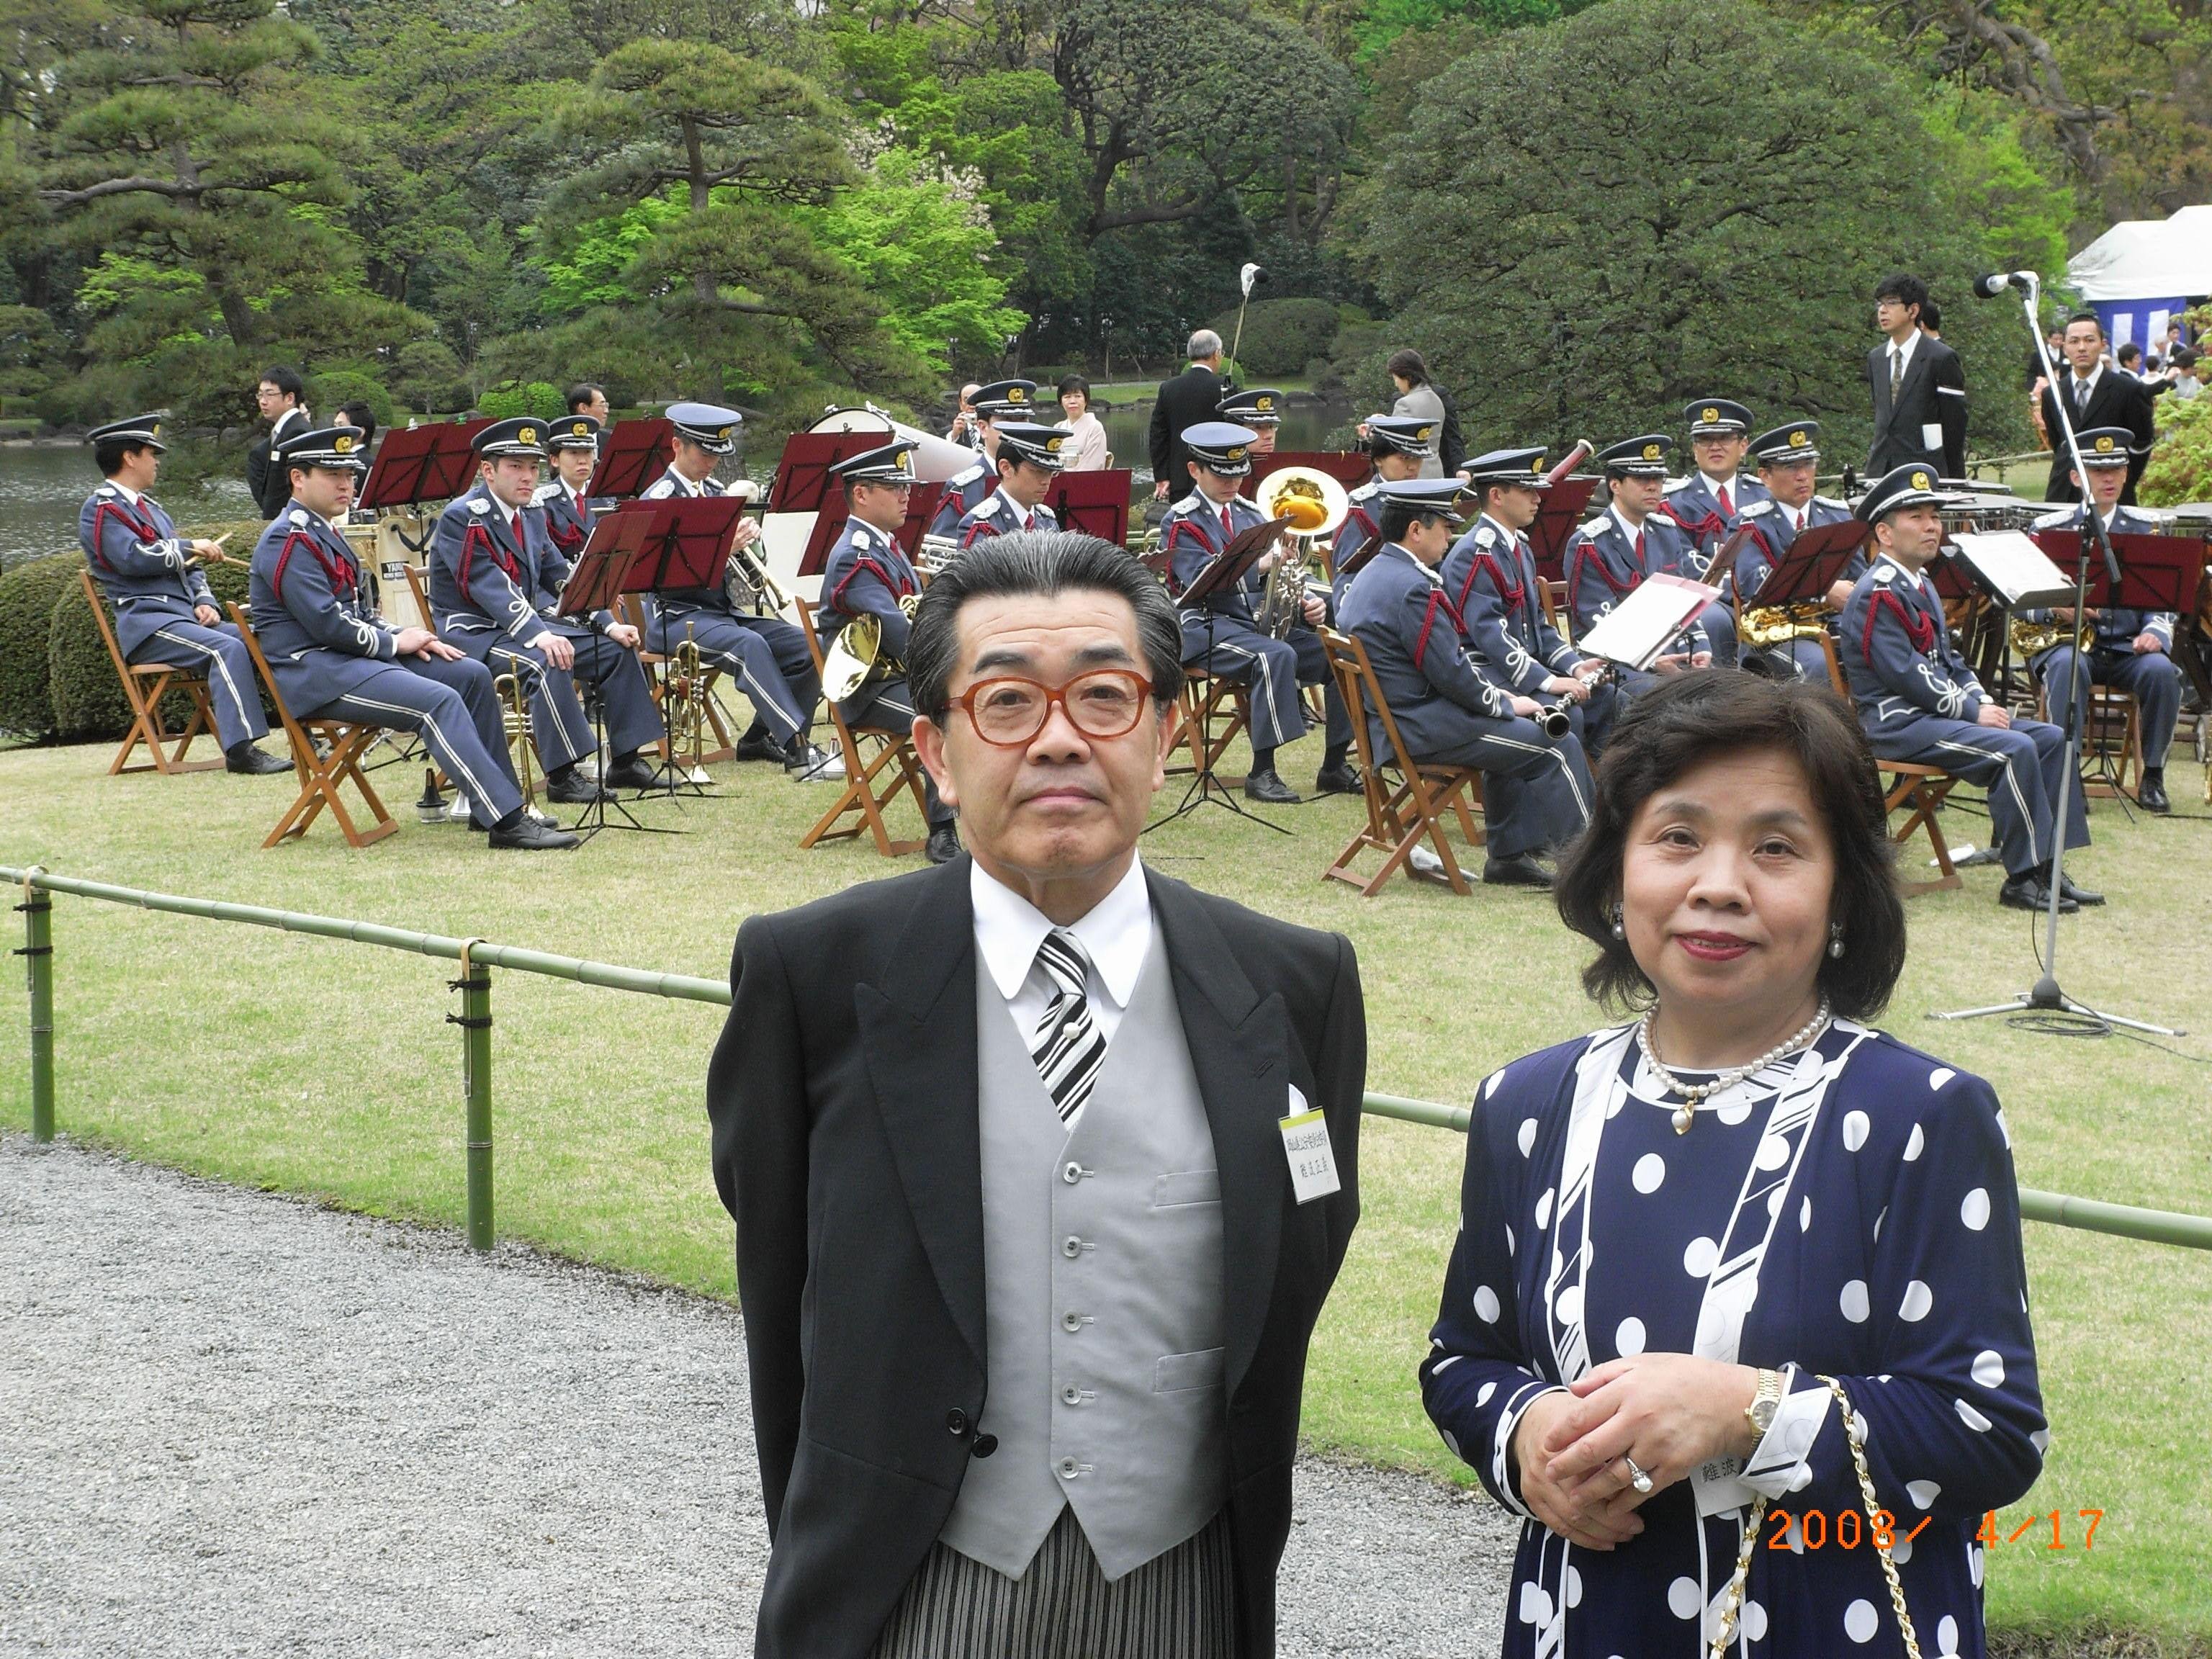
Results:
<point x="1717" y="1489"/>
<point x="1305" y="1142"/>
<point x="1931" y="437"/>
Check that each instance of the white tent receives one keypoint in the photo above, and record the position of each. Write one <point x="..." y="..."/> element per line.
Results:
<point x="2142" y="270"/>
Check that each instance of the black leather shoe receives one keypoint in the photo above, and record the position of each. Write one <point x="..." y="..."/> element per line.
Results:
<point x="529" y="835"/>
<point x="2151" y="795"/>
<point x="1338" y="780"/>
<point x="1523" y="870"/>
<point x="2028" y="893"/>
<point x="759" y="746"/>
<point x="635" y="772"/>
<point x="250" y="762"/>
<point x="2080" y="896"/>
<point x="1266" y="786"/>
<point x="944" y="843"/>
<point x="574" y="787"/>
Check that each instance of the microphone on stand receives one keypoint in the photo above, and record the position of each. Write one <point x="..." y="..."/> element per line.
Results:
<point x="1989" y="286"/>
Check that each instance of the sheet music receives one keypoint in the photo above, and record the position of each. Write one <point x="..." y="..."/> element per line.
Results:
<point x="1638" y="631"/>
<point x="2013" y="567"/>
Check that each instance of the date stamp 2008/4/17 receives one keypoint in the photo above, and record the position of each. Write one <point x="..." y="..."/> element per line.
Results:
<point x="1814" y="1529"/>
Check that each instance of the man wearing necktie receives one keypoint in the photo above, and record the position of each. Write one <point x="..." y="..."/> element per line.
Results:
<point x="494" y="592"/>
<point x="1221" y="633"/>
<point x="1027" y="460"/>
<point x="1709" y="501"/>
<point x="1788" y="460"/>
<point x="1609" y="557"/>
<point x="1028" y="1268"/>
<point x="1918" y="384"/>
<point x="2095" y="397"/>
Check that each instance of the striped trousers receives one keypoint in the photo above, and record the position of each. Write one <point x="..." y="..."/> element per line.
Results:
<point x="1181" y="1605"/>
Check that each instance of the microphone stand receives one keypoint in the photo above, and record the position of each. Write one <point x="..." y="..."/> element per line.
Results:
<point x="2044" y="996"/>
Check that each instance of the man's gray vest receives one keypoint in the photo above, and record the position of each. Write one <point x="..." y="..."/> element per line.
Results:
<point x="1102" y="1278"/>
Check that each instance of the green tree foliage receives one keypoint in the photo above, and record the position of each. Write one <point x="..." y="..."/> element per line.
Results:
<point x="1280" y="336"/>
<point x="2180" y="468"/>
<point x="1714" y="225"/>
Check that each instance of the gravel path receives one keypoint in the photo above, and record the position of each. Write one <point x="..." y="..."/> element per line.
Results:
<point x="233" y="1423"/>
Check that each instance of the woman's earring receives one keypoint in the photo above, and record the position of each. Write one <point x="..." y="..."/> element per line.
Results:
<point x="1620" y="927"/>
<point x="1836" y="939"/>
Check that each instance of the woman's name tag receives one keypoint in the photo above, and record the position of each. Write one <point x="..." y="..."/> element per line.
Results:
<point x="1305" y="1142"/>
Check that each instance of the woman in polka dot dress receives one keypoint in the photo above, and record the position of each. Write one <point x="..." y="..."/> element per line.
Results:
<point x="1671" y="1231"/>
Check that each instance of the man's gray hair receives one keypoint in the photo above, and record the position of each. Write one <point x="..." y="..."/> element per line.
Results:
<point x="1046" y="564"/>
<point x="1203" y="344"/>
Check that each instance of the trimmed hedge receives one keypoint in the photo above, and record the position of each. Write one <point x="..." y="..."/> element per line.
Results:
<point x="1281" y="336"/>
<point x="27" y="594"/>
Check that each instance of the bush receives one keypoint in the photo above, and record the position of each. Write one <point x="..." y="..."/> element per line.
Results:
<point x="87" y="702"/>
<point x="327" y="391"/>
<point x="1281" y="336"/>
<point x="503" y="403"/>
<point x="428" y="379"/>
<point x="27" y="594"/>
<point x="2180" y="467"/>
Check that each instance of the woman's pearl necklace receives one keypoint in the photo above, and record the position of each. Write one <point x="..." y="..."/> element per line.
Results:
<point x="1696" y="1094"/>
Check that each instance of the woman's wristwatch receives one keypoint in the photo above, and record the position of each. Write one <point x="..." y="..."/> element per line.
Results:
<point x="1763" y="1404"/>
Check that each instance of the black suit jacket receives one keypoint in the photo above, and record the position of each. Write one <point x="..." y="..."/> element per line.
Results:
<point x="1934" y="394"/>
<point x="847" y="1145"/>
<point x="272" y="485"/>
<point x="1193" y="396"/>
<point x="2117" y="399"/>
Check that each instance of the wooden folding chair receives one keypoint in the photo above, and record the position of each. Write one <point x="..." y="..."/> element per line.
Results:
<point x="1400" y="813"/>
<point x="320" y="774"/>
<point x="873" y="781"/>
<point x="2111" y="740"/>
<point x="1210" y="715"/>
<point x="1909" y="787"/>
<point x="1556" y="611"/>
<point x="629" y="608"/>
<point x="144" y="686"/>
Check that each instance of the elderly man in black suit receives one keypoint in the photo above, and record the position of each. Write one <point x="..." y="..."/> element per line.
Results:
<point x="1186" y="401"/>
<point x="2096" y="395"/>
<point x="1042" y="1164"/>
<point x="1919" y="388"/>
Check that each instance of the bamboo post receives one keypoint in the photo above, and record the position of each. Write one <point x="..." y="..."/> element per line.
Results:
<point x="38" y="954"/>
<point x="475" y="1021"/>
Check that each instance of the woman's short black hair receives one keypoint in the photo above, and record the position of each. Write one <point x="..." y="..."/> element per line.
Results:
<point x="1074" y="383"/>
<point x="1045" y="563"/>
<point x="1715" y="713"/>
<point x="1409" y="366"/>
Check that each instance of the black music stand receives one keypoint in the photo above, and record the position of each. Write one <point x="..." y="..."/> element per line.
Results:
<point x="1224" y="571"/>
<point x="634" y="453"/>
<point x="593" y="583"/>
<point x="1810" y="565"/>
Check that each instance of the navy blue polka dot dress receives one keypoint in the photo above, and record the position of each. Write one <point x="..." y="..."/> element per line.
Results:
<point x="1849" y="1210"/>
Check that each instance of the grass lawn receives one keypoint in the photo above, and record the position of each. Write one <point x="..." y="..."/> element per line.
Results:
<point x="316" y="1068"/>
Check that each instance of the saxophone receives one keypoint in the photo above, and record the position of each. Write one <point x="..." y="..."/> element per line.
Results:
<point x="1766" y="625"/>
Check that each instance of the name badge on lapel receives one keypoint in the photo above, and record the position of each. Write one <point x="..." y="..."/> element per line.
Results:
<point x="1305" y="1142"/>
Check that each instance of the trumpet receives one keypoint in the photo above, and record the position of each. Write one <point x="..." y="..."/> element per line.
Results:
<point x="749" y="584"/>
<point x="857" y="656"/>
<point x="687" y="684"/>
<point x="514" y="721"/>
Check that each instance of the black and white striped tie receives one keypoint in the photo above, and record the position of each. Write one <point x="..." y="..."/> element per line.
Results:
<point x="1069" y="1047"/>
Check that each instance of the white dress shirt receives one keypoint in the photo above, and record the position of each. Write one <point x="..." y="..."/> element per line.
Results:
<point x="1116" y="934"/>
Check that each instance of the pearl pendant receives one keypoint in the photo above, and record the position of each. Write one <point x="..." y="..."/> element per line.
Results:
<point x="1681" y="1120"/>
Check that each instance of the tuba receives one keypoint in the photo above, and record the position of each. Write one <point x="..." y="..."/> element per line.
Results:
<point x="1315" y="505"/>
<point x="857" y="656"/>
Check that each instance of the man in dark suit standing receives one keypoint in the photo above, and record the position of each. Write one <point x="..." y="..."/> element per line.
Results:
<point x="1042" y="1165"/>
<point x="280" y="398"/>
<point x="1919" y="388"/>
<point x="2096" y="395"/>
<point x="1186" y="401"/>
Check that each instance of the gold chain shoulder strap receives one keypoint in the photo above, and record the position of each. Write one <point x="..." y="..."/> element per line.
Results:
<point x="1854" y="1437"/>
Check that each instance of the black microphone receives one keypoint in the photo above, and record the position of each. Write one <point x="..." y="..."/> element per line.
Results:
<point x="1989" y="286"/>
